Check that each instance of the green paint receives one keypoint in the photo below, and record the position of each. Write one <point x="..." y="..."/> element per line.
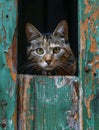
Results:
<point x="52" y="107"/>
<point x="90" y="83"/>
<point x="7" y="85"/>
<point x="60" y="80"/>
<point x="50" y="101"/>
<point x="90" y="56"/>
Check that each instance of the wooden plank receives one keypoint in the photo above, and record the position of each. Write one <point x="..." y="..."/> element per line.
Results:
<point x="48" y="103"/>
<point x="89" y="62"/>
<point x="8" y="10"/>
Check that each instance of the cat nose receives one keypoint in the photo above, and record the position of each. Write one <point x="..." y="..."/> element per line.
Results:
<point x="48" y="61"/>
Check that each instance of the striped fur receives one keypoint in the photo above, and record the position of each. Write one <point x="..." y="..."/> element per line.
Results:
<point x="50" y="53"/>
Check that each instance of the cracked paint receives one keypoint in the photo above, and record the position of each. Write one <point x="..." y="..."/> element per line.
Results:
<point x="47" y="105"/>
<point x="89" y="57"/>
<point x="8" y="14"/>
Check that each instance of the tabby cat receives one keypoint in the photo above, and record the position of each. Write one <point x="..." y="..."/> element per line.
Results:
<point x="50" y="54"/>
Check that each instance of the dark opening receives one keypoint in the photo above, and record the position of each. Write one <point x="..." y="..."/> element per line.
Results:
<point x="45" y="15"/>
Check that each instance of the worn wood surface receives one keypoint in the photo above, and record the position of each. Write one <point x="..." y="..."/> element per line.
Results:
<point x="8" y="65"/>
<point x="89" y="62"/>
<point x="48" y="103"/>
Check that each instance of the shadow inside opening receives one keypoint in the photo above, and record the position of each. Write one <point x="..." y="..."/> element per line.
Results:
<point x="45" y="16"/>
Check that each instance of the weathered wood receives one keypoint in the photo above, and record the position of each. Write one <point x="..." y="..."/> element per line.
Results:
<point x="89" y="62"/>
<point x="8" y="10"/>
<point x="48" y="103"/>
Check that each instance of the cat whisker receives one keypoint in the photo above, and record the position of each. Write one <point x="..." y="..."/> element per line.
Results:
<point x="37" y="69"/>
<point x="33" y="69"/>
<point x="25" y="69"/>
<point x="63" y="69"/>
<point x="27" y="66"/>
<point x="52" y="47"/>
<point x="69" y="65"/>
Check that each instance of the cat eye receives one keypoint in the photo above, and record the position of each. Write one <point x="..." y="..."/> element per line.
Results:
<point x="56" y="50"/>
<point x="39" y="51"/>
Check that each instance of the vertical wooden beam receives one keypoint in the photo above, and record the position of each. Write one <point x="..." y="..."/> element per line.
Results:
<point x="8" y="21"/>
<point x="89" y="61"/>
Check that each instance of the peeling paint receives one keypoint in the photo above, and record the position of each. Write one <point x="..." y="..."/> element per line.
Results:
<point x="47" y="106"/>
<point x="41" y="98"/>
<point x="87" y="103"/>
<point x="88" y="7"/>
<point x="89" y="56"/>
<point x="11" y="59"/>
<point x="8" y="14"/>
<point x="25" y="116"/>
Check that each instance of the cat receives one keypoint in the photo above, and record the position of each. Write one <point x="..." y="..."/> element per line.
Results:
<point x="49" y="54"/>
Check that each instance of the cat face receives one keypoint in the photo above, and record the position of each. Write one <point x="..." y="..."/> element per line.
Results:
<point x="46" y="52"/>
<point x="51" y="51"/>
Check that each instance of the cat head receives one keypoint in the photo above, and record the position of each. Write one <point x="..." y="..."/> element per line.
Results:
<point x="49" y="51"/>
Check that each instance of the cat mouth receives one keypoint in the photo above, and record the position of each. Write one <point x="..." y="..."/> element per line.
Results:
<point x="45" y="66"/>
<point x="49" y="67"/>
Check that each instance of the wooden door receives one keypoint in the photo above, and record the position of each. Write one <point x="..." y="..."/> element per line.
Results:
<point x="48" y="103"/>
<point x="56" y="102"/>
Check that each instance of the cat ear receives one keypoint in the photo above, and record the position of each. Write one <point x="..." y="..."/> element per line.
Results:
<point x="32" y="32"/>
<point x="61" y="30"/>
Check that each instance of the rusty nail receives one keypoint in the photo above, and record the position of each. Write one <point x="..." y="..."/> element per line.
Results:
<point x="3" y="125"/>
<point x="75" y="82"/>
<point x="86" y="69"/>
<point x="3" y="103"/>
<point x="94" y="74"/>
<point x="7" y="16"/>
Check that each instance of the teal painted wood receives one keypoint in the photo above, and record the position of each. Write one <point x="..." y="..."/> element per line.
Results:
<point x="8" y="10"/>
<point x="48" y="103"/>
<point x="31" y="99"/>
<point x="89" y="62"/>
